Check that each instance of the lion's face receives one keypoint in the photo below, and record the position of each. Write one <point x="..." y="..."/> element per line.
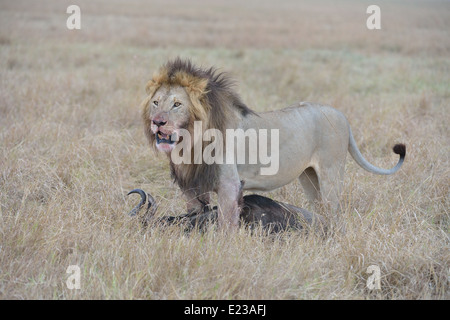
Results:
<point x="179" y="94"/>
<point x="168" y="112"/>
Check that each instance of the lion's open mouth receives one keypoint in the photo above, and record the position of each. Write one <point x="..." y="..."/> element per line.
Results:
<point x="165" y="138"/>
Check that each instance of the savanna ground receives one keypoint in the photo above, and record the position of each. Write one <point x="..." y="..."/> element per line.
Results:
<point x="72" y="145"/>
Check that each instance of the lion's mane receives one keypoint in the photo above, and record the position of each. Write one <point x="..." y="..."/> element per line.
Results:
<point x="214" y="102"/>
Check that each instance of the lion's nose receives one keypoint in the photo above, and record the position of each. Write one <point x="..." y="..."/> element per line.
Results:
<point x="160" y="119"/>
<point x="159" y="123"/>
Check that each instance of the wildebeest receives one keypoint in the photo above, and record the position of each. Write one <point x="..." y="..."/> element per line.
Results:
<point x="256" y="210"/>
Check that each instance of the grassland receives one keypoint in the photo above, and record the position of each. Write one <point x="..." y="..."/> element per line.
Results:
<point x="72" y="145"/>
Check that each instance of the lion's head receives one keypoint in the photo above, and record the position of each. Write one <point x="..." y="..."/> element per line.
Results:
<point x="179" y="94"/>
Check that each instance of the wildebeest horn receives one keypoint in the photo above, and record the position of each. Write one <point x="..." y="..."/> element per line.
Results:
<point x="144" y="197"/>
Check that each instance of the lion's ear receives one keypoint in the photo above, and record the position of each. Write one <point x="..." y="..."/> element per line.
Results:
<point x="157" y="81"/>
<point x="151" y="87"/>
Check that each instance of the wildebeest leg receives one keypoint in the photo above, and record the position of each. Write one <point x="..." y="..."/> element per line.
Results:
<point x="196" y="203"/>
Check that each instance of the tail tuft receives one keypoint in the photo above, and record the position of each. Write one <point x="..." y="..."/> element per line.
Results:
<point x="400" y="149"/>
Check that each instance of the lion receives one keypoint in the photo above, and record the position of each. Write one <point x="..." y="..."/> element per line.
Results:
<point x="313" y="140"/>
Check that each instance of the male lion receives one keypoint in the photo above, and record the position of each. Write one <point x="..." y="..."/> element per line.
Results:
<point x="314" y="140"/>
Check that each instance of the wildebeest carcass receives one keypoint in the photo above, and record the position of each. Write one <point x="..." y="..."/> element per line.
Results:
<point x="256" y="210"/>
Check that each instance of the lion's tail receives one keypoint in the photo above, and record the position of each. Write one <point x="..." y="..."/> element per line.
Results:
<point x="399" y="149"/>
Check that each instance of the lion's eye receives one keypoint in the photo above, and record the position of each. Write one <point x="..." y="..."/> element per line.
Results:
<point x="155" y="103"/>
<point x="176" y="105"/>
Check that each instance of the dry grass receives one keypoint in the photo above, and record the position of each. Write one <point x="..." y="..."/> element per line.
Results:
<point x="72" y="145"/>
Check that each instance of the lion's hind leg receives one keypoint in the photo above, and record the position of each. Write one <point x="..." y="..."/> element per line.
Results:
<point x="323" y="189"/>
<point x="331" y="184"/>
<point x="310" y="183"/>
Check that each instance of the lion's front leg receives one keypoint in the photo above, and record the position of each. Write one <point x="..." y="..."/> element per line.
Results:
<point x="228" y="194"/>
<point x="228" y="198"/>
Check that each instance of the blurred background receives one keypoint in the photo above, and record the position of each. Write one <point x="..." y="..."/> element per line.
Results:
<point x="407" y="26"/>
